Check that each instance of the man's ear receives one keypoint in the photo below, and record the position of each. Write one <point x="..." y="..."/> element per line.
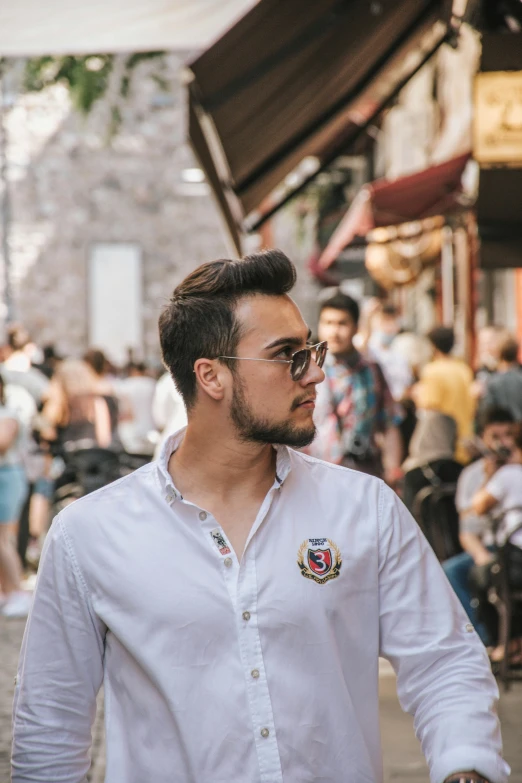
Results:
<point x="211" y="377"/>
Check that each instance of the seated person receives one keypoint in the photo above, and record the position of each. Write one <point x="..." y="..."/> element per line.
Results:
<point x="475" y="534"/>
<point x="502" y="497"/>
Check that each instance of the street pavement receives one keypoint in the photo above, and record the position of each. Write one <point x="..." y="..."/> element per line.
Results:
<point x="403" y="760"/>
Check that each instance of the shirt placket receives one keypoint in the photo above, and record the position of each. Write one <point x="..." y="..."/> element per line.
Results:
<point x="258" y="693"/>
<point x="241" y="582"/>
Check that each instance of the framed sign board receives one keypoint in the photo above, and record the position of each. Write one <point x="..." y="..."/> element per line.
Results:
<point x="497" y="124"/>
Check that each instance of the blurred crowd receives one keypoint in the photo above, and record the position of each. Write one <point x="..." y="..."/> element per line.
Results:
<point x="54" y="410"/>
<point x="447" y="436"/>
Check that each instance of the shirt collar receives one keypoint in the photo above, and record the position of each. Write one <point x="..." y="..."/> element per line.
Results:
<point x="173" y="442"/>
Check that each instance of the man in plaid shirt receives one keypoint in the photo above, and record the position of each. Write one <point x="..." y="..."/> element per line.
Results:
<point x="356" y="417"/>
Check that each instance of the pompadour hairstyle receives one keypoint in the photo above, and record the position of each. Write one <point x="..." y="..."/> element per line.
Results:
<point x="199" y="321"/>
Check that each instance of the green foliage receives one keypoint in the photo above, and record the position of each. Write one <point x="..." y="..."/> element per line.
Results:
<point x="87" y="77"/>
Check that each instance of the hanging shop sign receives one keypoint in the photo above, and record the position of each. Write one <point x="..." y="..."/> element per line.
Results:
<point x="497" y="125"/>
<point x="397" y="255"/>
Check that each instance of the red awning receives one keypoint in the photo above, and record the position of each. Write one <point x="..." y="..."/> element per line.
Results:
<point x="434" y="191"/>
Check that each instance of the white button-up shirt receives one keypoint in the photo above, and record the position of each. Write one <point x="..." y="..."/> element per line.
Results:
<point x="263" y="670"/>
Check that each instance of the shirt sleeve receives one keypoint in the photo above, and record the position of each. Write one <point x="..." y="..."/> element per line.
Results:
<point x="464" y="494"/>
<point x="59" y="674"/>
<point x="443" y="675"/>
<point x="496" y="486"/>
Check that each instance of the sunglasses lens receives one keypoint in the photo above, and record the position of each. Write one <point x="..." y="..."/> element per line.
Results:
<point x="320" y="354"/>
<point x="300" y="364"/>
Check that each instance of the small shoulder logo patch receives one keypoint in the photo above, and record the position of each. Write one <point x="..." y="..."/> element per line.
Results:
<point x="220" y="542"/>
<point x="319" y="559"/>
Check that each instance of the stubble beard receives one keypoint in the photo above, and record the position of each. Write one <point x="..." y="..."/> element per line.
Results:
<point x="254" y="430"/>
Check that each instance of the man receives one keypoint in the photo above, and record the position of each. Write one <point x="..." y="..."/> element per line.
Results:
<point x="445" y="386"/>
<point x="504" y="387"/>
<point x="502" y="496"/>
<point x="234" y="596"/>
<point x="475" y="533"/>
<point x="356" y="417"/>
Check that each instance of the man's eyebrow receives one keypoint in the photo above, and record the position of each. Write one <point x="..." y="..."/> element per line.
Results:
<point x="297" y="341"/>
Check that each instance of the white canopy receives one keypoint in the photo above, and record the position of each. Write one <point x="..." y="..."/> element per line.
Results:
<point x="37" y="27"/>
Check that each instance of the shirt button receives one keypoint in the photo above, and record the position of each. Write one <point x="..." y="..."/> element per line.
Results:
<point x="227" y="561"/>
<point x="170" y="498"/>
<point x="202" y="515"/>
<point x="265" y="733"/>
<point x="255" y="673"/>
<point x="469" y="628"/>
<point x="246" y="616"/>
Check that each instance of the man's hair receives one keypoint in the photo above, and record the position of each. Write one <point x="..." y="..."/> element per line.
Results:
<point x="443" y="338"/>
<point x="340" y="301"/>
<point x="494" y="415"/>
<point x="508" y="350"/>
<point x="200" y="321"/>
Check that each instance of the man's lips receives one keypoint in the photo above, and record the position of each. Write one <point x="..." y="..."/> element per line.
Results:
<point x="308" y="403"/>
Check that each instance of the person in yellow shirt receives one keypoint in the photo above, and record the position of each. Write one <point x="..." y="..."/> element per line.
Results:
<point x="446" y="386"/>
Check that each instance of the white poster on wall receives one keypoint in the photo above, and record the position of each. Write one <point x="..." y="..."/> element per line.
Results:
<point x="115" y="299"/>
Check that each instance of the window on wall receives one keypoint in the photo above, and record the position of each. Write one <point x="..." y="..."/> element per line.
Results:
<point x="115" y="299"/>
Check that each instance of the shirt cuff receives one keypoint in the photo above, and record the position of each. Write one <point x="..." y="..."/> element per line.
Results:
<point x="464" y="759"/>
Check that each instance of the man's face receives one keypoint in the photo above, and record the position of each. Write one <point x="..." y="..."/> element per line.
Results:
<point x="266" y="405"/>
<point x="498" y="435"/>
<point x="338" y="328"/>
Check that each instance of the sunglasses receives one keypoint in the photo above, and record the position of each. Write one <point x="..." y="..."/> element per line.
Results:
<point x="299" y="361"/>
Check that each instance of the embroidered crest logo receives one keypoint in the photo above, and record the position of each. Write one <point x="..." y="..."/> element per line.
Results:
<point x="319" y="559"/>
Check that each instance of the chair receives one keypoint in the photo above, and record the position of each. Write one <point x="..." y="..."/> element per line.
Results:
<point x="436" y="514"/>
<point x="504" y="596"/>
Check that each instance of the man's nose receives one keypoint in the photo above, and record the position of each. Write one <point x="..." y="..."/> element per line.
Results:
<point x="314" y="374"/>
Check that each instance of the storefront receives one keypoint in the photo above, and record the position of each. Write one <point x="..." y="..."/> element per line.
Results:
<point x="295" y="84"/>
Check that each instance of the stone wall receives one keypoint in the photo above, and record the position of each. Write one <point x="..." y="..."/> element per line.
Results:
<point x="72" y="187"/>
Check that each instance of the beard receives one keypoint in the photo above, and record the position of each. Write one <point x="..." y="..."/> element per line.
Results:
<point x="256" y="430"/>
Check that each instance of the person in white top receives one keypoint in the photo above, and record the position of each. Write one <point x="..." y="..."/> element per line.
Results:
<point x="502" y="497"/>
<point x="136" y="425"/>
<point x="396" y="368"/>
<point x="234" y="597"/>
